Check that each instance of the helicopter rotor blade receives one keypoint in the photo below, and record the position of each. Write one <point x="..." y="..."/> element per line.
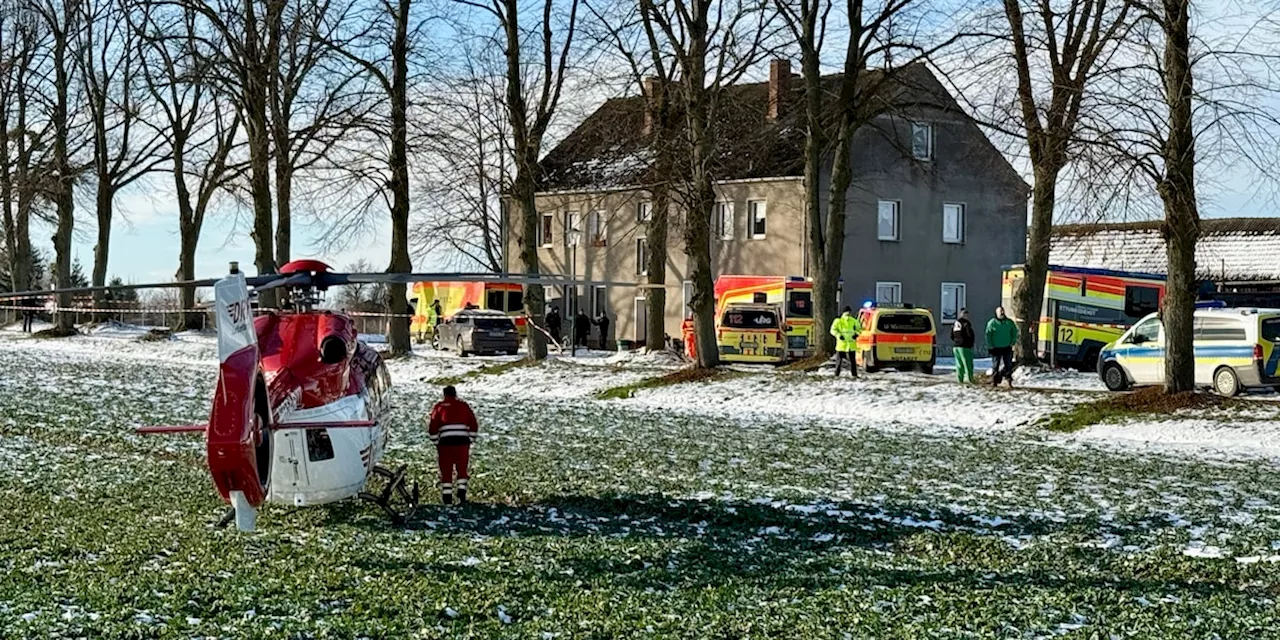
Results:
<point x="336" y="279"/>
<point x="122" y="287"/>
<point x="263" y="282"/>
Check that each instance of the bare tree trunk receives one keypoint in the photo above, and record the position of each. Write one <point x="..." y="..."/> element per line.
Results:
<point x="284" y="194"/>
<point x="105" y="197"/>
<point x="1029" y="302"/>
<point x="527" y="131"/>
<point x="399" y="335"/>
<point x="64" y="178"/>
<point x="254" y="100"/>
<point x="656" y="294"/>
<point x="827" y="268"/>
<point x="1177" y="190"/>
<point x="697" y="238"/>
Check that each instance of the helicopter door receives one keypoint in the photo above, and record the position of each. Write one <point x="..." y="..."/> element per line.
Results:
<point x="291" y="465"/>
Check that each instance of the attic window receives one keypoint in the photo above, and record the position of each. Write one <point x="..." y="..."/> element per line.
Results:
<point x="921" y="141"/>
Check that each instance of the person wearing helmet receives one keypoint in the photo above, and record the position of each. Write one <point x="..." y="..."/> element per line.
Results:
<point x="846" y="329"/>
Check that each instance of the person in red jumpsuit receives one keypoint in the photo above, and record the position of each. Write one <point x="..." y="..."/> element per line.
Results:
<point x="453" y="428"/>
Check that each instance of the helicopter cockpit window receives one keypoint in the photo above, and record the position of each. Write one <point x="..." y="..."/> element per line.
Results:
<point x="319" y="446"/>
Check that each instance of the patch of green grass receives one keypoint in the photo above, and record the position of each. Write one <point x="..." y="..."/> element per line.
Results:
<point x="484" y="370"/>
<point x="1147" y="402"/>
<point x="691" y="374"/>
<point x="600" y="520"/>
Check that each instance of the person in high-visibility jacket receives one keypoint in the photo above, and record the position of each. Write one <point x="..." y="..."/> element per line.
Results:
<point x="846" y="329"/>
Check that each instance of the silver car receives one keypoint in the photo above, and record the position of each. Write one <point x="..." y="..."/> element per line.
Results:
<point x="480" y="331"/>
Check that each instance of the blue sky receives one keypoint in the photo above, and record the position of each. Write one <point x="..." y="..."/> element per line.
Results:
<point x="145" y="235"/>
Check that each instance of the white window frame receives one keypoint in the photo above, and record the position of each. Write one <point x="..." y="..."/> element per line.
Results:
<point x="896" y="233"/>
<point x="644" y="211"/>
<point x="928" y="140"/>
<point x="597" y="228"/>
<point x="754" y="208"/>
<point x="642" y="256"/>
<point x="961" y="294"/>
<point x="546" y="239"/>
<point x="725" y="216"/>
<point x="958" y="237"/>
<point x="572" y="220"/>
<point x="895" y="287"/>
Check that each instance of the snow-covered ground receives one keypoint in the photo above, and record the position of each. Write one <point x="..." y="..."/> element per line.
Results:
<point x="891" y="401"/>
<point x="761" y="503"/>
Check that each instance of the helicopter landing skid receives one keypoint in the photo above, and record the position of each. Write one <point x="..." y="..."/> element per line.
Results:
<point x="396" y="490"/>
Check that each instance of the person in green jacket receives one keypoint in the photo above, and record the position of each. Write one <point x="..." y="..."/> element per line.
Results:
<point x="846" y="329"/>
<point x="1002" y="334"/>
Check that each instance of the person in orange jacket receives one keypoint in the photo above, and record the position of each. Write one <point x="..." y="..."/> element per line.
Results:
<point x="453" y="428"/>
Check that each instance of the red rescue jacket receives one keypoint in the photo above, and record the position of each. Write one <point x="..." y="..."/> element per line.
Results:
<point x="452" y="422"/>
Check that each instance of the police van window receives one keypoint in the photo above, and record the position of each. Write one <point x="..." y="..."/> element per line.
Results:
<point x="800" y="304"/>
<point x="1139" y="301"/>
<point x="1148" y="331"/>
<point x="515" y="300"/>
<point x="1219" y="330"/>
<point x="750" y="319"/>
<point x="496" y="300"/>
<point x="904" y="323"/>
<point x="1271" y="329"/>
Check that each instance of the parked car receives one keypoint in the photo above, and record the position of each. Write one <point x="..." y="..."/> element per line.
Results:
<point x="1235" y="349"/>
<point x="896" y="337"/>
<point x="479" y="331"/>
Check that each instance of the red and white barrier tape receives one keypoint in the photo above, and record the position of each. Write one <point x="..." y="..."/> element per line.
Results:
<point x="133" y="310"/>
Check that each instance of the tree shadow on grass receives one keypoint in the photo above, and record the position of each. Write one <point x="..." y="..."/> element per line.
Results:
<point x="779" y="546"/>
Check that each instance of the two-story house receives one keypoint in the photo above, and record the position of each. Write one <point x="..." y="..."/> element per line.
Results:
<point x="933" y="214"/>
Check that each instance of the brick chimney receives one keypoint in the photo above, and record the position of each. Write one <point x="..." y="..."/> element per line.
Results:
<point x="779" y="87"/>
<point x="651" y="88"/>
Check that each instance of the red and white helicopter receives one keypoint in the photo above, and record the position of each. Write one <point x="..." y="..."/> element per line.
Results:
<point x="299" y="412"/>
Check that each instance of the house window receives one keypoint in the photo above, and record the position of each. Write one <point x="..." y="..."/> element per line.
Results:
<point x="545" y="232"/>
<point x="922" y="141"/>
<point x="642" y="256"/>
<point x="724" y="220"/>
<point x="953" y="295"/>
<point x="888" y="293"/>
<point x="756" y="219"/>
<point x="887" y="220"/>
<point x="953" y="223"/>
<point x="644" y="212"/>
<point x="596" y="228"/>
<point x="599" y="301"/>
<point x="571" y="224"/>
<point x="687" y="291"/>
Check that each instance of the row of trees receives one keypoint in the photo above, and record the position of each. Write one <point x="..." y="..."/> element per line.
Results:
<point x="1117" y="98"/>
<point x="278" y="109"/>
<point x="349" y="115"/>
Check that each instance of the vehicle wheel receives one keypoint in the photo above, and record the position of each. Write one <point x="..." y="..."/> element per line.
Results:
<point x="1115" y="379"/>
<point x="462" y="352"/>
<point x="1090" y="362"/>
<point x="869" y="363"/>
<point x="1226" y="382"/>
<point x="926" y="369"/>
<point x="435" y="342"/>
